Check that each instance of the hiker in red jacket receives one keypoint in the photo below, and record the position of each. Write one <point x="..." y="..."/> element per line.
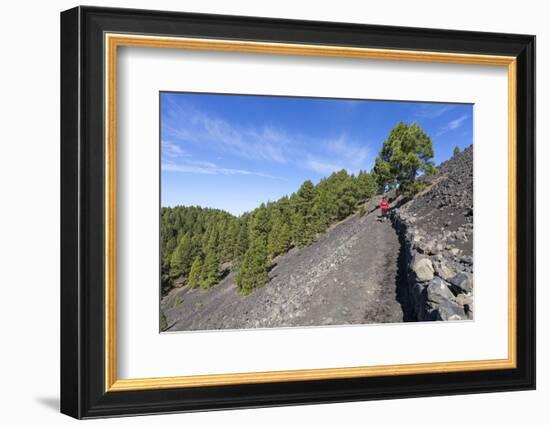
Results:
<point x="384" y="207"/>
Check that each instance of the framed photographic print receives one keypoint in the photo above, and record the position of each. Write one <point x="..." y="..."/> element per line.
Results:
<point x="261" y="212"/>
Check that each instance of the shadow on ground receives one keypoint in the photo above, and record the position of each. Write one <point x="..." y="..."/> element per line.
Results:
<point x="49" y="402"/>
<point x="402" y="294"/>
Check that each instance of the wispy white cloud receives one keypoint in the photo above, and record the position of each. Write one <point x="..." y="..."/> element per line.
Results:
<point x="173" y="150"/>
<point x="430" y="110"/>
<point x="187" y="124"/>
<point x="205" y="167"/>
<point x="452" y="125"/>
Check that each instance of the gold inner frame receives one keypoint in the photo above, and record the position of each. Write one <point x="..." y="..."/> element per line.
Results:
<point x="113" y="41"/>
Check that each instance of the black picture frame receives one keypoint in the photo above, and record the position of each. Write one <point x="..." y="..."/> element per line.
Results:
<point x="83" y="392"/>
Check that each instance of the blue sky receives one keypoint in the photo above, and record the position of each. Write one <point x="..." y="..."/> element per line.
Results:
<point x="234" y="152"/>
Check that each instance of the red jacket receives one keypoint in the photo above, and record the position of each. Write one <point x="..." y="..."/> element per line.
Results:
<point x="384" y="205"/>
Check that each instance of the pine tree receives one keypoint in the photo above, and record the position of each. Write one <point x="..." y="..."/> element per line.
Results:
<point x="206" y="236"/>
<point x="182" y="256"/>
<point x="222" y="238"/>
<point x="285" y="239"/>
<point x="406" y="152"/>
<point x="196" y="243"/>
<point x="210" y="270"/>
<point x="304" y="197"/>
<point x="320" y="211"/>
<point x="366" y="186"/>
<point x="299" y="234"/>
<point x="346" y="196"/>
<point x="456" y="150"/>
<point x="230" y="241"/>
<point x="303" y="226"/>
<point x="285" y="209"/>
<point x="259" y="224"/>
<point x="241" y="244"/>
<point x="279" y="237"/>
<point x="167" y="254"/>
<point x="273" y="237"/>
<point x="195" y="273"/>
<point x="204" y="227"/>
<point x="213" y="240"/>
<point x="254" y="268"/>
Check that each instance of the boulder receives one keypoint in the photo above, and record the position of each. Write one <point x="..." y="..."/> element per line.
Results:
<point x="441" y="302"/>
<point x="426" y="246"/>
<point x="463" y="299"/>
<point x="463" y="282"/>
<point x="451" y="311"/>
<point x="438" y="291"/>
<point x="443" y="271"/>
<point x="423" y="269"/>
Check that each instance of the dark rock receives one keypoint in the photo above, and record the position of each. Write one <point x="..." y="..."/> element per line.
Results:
<point x="446" y="310"/>
<point x="463" y="281"/>
<point x="443" y="271"/>
<point x="438" y="291"/>
<point x="439" y="242"/>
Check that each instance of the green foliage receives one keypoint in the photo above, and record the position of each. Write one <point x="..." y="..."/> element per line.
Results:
<point x="191" y="232"/>
<point x="366" y="185"/>
<point x="259" y="225"/>
<point x="229" y="240"/>
<point x="302" y="202"/>
<point x="279" y="239"/>
<point x="300" y="233"/>
<point x="177" y="301"/>
<point x="456" y="150"/>
<point x="405" y="153"/>
<point x="321" y="211"/>
<point x="182" y="257"/>
<point x="210" y="270"/>
<point x="241" y="243"/>
<point x="167" y="253"/>
<point x="195" y="273"/>
<point x="254" y="268"/>
<point x="362" y="211"/>
<point x="163" y="323"/>
<point x="346" y="195"/>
